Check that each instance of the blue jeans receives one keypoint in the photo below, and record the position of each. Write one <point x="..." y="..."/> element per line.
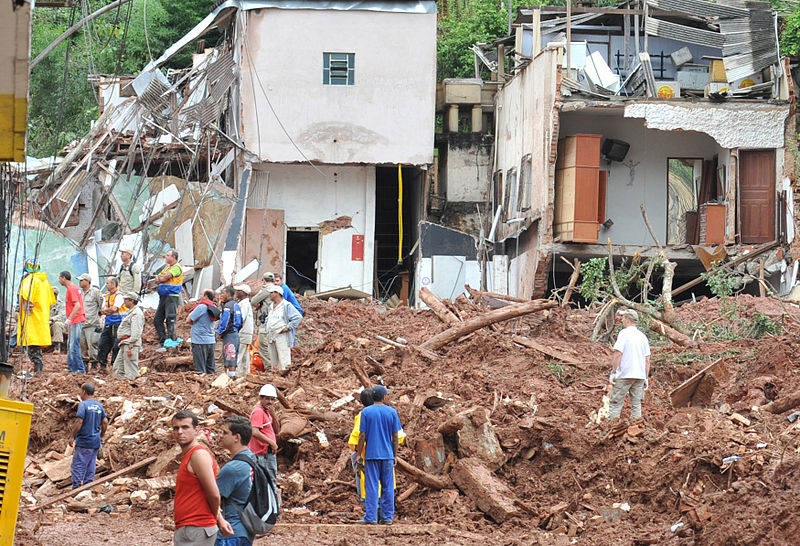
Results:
<point x="84" y="461"/>
<point x="74" y="360"/>
<point x="379" y="471"/>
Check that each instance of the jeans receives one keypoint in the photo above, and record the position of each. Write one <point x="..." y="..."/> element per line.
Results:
<point x="230" y="349"/>
<point x="167" y="312"/>
<point x="203" y="357"/>
<point x="269" y="464"/>
<point x="84" y="461"/>
<point x="379" y="471"/>
<point x="74" y="360"/>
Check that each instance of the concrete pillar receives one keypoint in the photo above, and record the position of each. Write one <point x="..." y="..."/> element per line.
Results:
<point x="452" y="119"/>
<point x="477" y="118"/>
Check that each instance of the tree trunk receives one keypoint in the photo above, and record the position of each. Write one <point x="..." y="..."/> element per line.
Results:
<point x="438" y="307"/>
<point x="671" y="333"/>
<point x="573" y="281"/>
<point x="498" y="315"/>
<point x="666" y="287"/>
<point x="478" y="294"/>
<point x="783" y="404"/>
<point x="421" y="477"/>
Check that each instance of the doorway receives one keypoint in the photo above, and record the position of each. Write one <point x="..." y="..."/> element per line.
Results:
<point x="302" y="246"/>
<point x="683" y="183"/>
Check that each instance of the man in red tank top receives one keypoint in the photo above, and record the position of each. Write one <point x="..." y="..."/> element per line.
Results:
<point x="197" y="500"/>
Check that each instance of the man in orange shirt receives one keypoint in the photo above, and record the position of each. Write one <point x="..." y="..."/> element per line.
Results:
<point x="197" y="499"/>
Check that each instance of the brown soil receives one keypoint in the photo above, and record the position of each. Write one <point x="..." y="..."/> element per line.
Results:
<point x="574" y="479"/>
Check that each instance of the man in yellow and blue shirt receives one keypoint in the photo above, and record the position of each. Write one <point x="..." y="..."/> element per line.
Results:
<point x="170" y="286"/>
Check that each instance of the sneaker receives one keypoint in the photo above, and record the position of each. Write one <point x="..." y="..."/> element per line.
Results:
<point x="362" y="521"/>
<point x="385" y="521"/>
<point x="25" y="375"/>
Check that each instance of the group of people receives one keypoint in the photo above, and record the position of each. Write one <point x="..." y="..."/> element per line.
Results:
<point x="270" y="319"/>
<point x="96" y="325"/>
<point x="101" y="325"/>
<point x="209" y="499"/>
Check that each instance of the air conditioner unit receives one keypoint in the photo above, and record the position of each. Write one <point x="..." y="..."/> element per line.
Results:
<point x="614" y="150"/>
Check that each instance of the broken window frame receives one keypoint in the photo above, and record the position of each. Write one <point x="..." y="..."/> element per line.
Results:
<point x="676" y="228"/>
<point x="338" y="68"/>
<point x="525" y="183"/>
<point x="511" y="198"/>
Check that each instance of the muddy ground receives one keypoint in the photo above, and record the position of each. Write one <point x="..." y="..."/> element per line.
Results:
<point x="570" y="480"/>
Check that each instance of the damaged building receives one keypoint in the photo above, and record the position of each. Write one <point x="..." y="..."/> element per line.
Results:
<point x="664" y="125"/>
<point x="302" y="138"/>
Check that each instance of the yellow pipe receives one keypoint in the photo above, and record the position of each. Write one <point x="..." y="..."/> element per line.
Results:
<point x="400" y="213"/>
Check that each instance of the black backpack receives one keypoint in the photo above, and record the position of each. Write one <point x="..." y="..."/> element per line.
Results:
<point x="261" y="509"/>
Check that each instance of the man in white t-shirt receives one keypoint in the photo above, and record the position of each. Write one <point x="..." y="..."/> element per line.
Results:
<point x="630" y="366"/>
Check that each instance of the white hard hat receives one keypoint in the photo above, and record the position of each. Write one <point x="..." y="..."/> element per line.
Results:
<point x="268" y="390"/>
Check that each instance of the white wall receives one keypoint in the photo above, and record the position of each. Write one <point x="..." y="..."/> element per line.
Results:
<point x="386" y="117"/>
<point x="642" y="177"/>
<point x="469" y="172"/>
<point x="309" y="198"/>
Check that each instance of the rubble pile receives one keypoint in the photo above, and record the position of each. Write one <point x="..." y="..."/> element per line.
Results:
<point x="503" y="442"/>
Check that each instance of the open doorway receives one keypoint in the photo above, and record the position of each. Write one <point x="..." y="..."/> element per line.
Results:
<point x="301" y="260"/>
<point x="683" y="184"/>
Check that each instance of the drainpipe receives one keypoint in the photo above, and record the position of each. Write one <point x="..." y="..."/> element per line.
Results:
<point x="399" y="213"/>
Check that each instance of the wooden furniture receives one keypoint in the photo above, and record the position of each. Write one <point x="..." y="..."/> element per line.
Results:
<point x="712" y="223"/>
<point x="579" y="207"/>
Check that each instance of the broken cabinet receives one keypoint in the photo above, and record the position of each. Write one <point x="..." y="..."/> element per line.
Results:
<point x="579" y="205"/>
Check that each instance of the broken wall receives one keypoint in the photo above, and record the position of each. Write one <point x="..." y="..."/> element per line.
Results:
<point x="309" y="197"/>
<point x="387" y="116"/>
<point x="641" y="178"/>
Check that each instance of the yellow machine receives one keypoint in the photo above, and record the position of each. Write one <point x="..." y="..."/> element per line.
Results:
<point x="15" y="427"/>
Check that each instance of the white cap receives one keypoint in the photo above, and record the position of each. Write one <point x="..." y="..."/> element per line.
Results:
<point x="268" y="390"/>
<point x="243" y="288"/>
<point x="275" y="288"/>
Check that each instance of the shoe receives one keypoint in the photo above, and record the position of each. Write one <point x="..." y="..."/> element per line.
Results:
<point x="385" y="521"/>
<point x="362" y="521"/>
<point x="25" y="375"/>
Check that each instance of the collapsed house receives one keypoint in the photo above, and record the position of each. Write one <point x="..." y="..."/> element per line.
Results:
<point x="278" y="146"/>
<point x="642" y="128"/>
<point x="676" y="115"/>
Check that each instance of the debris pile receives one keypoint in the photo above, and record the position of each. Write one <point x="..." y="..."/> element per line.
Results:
<point x="501" y="444"/>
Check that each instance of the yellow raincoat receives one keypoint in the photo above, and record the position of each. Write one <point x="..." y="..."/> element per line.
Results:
<point x="33" y="326"/>
<point x="352" y="443"/>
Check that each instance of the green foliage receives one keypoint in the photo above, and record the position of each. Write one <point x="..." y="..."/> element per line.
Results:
<point x="761" y="324"/>
<point x="721" y="282"/>
<point x="731" y="325"/>
<point x="790" y="35"/>
<point x="594" y="279"/>
<point x="462" y="25"/>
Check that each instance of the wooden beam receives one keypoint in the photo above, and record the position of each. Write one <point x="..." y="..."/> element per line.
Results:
<point x="481" y="321"/>
<point x="733" y="263"/>
<point x="421" y="477"/>
<point x="98" y="481"/>
<point x="531" y="344"/>
<point x="478" y="294"/>
<point x="439" y="308"/>
<point x="682" y="395"/>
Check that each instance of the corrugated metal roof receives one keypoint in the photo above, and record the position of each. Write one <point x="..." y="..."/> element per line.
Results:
<point x="682" y="33"/>
<point x="699" y="8"/>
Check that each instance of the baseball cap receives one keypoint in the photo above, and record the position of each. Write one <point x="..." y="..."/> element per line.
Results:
<point x="127" y="250"/>
<point x="379" y="391"/>
<point x="85" y="277"/>
<point x="630" y="313"/>
<point x="268" y="276"/>
<point x="243" y="288"/>
<point x="275" y="288"/>
<point x="131" y="296"/>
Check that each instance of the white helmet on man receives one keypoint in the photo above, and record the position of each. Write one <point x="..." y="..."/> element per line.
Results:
<point x="268" y="390"/>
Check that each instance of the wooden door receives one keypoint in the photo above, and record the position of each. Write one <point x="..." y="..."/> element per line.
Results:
<point x="757" y="196"/>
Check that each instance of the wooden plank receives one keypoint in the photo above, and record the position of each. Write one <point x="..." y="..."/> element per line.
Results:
<point x="98" y="481"/>
<point x="531" y="344"/>
<point x="682" y="395"/>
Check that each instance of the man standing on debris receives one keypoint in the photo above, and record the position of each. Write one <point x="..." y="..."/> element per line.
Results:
<point x="90" y="335"/>
<point x="113" y="309"/>
<point x="58" y="322"/>
<point x="129" y="335"/>
<point x="265" y="428"/>
<point x="630" y="366"/>
<point x="230" y="321"/>
<point x="203" y="340"/>
<point x="76" y="316"/>
<point x="246" y="331"/>
<point x="234" y="481"/>
<point x="197" y="499"/>
<point x="288" y="295"/>
<point x="130" y="274"/>
<point x="276" y="337"/>
<point x="379" y="430"/>
<point x="170" y="286"/>
<point x="35" y="300"/>
<point x="88" y="427"/>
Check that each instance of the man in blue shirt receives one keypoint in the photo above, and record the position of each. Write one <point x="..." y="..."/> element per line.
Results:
<point x="379" y="429"/>
<point x="88" y="427"/>
<point x="203" y="339"/>
<point x="288" y="295"/>
<point x="234" y="482"/>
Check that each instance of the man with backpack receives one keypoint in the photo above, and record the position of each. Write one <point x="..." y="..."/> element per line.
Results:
<point x="130" y="274"/>
<point x="230" y="321"/>
<point x="235" y="481"/>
